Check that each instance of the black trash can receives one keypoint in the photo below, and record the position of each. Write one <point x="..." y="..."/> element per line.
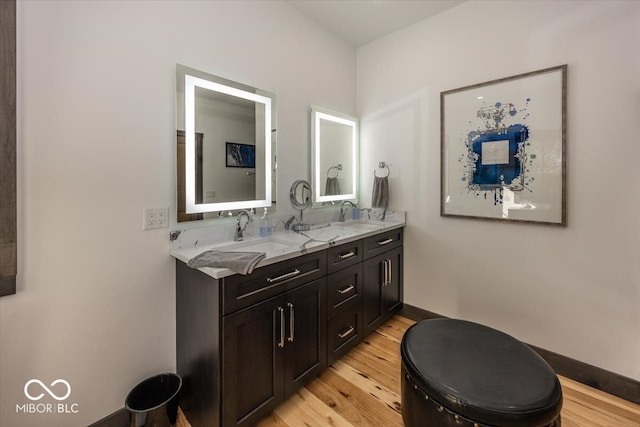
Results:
<point x="154" y="402"/>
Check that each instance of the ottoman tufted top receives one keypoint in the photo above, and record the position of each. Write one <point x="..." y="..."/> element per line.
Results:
<point x="480" y="373"/>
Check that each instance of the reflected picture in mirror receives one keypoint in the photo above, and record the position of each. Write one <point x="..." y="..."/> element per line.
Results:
<point x="334" y="148"/>
<point x="240" y="155"/>
<point x="225" y="146"/>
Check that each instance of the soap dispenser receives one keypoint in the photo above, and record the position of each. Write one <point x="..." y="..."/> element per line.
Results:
<point x="265" y="225"/>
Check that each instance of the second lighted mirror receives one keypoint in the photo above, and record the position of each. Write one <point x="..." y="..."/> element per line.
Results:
<point x="334" y="157"/>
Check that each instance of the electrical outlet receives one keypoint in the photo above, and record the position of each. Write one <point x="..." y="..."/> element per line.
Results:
<point x="162" y="217"/>
<point x="155" y="218"/>
<point x="148" y="218"/>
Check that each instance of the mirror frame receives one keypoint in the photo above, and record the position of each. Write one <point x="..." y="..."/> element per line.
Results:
<point x="188" y="79"/>
<point x="317" y="114"/>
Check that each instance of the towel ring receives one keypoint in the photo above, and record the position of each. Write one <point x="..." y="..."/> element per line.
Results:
<point x="337" y="168"/>
<point x="382" y="165"/>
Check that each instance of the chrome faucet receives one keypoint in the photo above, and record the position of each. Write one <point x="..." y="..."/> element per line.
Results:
<point x="239" y="228"/>
<point x="343" y="210"/>
<point x="287" y="224"/>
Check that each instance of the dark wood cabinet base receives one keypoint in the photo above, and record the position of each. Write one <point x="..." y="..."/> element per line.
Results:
<point x="244" y="344"/>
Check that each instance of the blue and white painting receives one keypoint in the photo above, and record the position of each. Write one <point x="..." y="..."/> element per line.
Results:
<point x="503" y="148"/>
<point x="495" y="155"/>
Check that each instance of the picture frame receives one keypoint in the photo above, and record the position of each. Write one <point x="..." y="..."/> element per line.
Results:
<point x="503" y="149"/>
<point x="240" y="155"/>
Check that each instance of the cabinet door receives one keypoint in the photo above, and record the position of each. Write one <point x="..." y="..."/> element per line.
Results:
<point x="392" y="291"/>
<point x="382" y="288"/>
<point x="252" y="362"/>
<point x="305" y="347"/>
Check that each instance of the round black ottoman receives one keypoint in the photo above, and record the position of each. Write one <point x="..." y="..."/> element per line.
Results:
<point x="460" y="373"/>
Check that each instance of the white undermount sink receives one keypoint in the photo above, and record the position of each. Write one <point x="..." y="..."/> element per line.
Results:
<point x="361" y="226"/>
<point x="268" y="245"/>
<point x="323" y="233"/>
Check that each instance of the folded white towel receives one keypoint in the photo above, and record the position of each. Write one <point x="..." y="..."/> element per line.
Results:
<point x="238" y="262"/>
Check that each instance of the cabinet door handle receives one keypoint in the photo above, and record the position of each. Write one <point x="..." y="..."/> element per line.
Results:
<point x="347" y="255"/>
<point x="346" y="333"/>
<point x="281" y="343"/>
<point x="385" y="242"/>
<point x="346" y="290"/>
<point x="390" y="272"/>
<point x="291" y="322"/>
<point x="284" y="276"/>
<point x="385" y="272"/>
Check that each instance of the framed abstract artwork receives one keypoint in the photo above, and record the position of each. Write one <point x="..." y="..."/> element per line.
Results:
<point x="503" y="149"/>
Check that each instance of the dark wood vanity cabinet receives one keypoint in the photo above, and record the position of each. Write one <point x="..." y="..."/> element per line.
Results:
<point x="382" y="274"/>
<point x="382" y="293"/>
<point x="344" y="298"/>
<point x="270" y="350"/>
<point x="246" y="343"/>
<point x="344" y="311"/>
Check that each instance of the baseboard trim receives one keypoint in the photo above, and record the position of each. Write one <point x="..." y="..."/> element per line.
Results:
<point x="120" y="418"/>
<point x="598" y="378"/>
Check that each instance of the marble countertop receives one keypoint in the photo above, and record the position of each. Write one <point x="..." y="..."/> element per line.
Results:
<point x="282" y="245"/>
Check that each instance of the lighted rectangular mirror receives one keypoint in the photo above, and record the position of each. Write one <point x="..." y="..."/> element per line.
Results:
<point x="225" y="145"/>
<point x="334" y="157"/>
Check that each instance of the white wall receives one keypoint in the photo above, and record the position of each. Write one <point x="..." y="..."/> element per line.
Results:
<point x="96" y="144"/>
<point x="573" y="290"/>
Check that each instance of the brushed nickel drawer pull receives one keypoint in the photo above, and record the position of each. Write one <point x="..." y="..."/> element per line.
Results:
<point x="385" y="242"/>
<point x="292" y="322"/>
<point x="347" y="255"/>
<point x="281" y="342"/>
<point x="346" y="333"/>
<point x="284" y="276"/>
<point x="346" y="290"/>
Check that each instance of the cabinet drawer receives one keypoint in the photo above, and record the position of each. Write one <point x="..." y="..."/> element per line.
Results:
<point x="382" y="242"/>
<point x="339" y="257"/>
<point x="344" y="333"/>
<point x="243" y="291"/>
<point x="344" y="289"/>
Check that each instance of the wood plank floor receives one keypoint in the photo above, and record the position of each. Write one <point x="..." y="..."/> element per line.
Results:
<point x="363" y="389"/>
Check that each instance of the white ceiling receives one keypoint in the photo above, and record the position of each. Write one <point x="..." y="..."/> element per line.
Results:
<point x="359" y="22"/>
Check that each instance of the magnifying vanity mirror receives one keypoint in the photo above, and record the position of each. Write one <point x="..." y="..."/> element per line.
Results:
<point x="300" y="194"/>
<point x="334" y="157"/>
<point x="226" y="146"/>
